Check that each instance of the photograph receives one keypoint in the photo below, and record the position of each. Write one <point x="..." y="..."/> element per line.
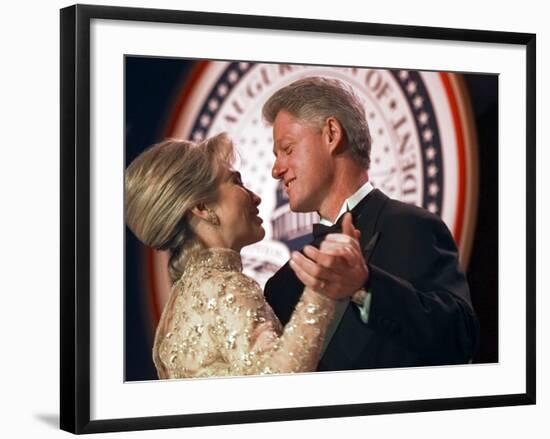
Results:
<point x="430" y="140"/>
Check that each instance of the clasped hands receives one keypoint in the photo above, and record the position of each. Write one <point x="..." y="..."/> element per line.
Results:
<point x="337" y="269"/>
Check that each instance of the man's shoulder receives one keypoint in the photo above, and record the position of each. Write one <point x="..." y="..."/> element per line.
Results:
<point x="414" y="226"/>
<point x="398" y="213"/>
<point x="399" y="208"/>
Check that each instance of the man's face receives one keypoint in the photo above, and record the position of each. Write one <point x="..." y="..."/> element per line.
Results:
<point x="302" y="161"/>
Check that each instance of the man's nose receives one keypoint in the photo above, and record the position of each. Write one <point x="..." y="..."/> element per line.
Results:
<point x="277" y="170"/>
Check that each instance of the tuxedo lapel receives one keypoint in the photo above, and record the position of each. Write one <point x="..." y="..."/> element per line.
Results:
<point x="365" y="218"/>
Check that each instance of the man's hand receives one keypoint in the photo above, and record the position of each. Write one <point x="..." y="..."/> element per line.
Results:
<point x="337" y="269"/>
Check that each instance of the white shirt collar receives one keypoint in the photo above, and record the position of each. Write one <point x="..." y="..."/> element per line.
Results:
<point x="350" y="202"/>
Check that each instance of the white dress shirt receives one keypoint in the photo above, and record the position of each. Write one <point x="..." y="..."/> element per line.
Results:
<point x="350" y="202"/>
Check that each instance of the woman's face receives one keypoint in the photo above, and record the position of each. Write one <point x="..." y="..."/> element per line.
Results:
<point x="237" y="210"/>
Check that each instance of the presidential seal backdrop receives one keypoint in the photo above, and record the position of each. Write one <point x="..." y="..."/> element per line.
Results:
<point x="424" y="149"/>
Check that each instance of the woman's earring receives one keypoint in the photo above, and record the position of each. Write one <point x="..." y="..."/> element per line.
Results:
<point x="213" y="218"/>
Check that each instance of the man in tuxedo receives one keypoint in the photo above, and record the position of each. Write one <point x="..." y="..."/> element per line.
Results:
<point x="403" y="299"/>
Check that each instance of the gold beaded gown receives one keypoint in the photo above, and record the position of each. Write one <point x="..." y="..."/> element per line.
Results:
<point x="217" y="323"/>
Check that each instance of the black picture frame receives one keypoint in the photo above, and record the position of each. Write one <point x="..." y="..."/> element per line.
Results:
<point x="75" y="217"/>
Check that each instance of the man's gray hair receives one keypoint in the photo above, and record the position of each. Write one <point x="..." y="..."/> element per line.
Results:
<point x="314" y="99"/>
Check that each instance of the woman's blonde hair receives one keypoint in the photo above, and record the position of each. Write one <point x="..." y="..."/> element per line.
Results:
<point x="164" y="183"/>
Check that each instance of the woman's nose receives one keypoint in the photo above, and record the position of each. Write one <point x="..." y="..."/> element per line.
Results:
<point x="255" y="199"/>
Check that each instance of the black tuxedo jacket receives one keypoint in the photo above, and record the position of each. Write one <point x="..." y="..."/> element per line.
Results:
<point x="420" y="312"/>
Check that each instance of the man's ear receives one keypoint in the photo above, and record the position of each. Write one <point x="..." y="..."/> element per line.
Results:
<point x="333" y="134"/>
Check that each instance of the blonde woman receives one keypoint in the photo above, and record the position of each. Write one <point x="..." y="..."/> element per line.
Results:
<point x="186" y="197"/>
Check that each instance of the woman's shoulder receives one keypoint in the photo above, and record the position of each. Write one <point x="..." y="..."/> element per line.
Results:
<point x="217" y="271"/>
<point x="232" y="282"/>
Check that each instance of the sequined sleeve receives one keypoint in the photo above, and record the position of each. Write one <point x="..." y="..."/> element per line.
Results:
<point x="253" y="340"/>
<point x="217" y="322"/>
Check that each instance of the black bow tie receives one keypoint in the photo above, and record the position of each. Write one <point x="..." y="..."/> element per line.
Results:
<point x="320" y="230"/>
